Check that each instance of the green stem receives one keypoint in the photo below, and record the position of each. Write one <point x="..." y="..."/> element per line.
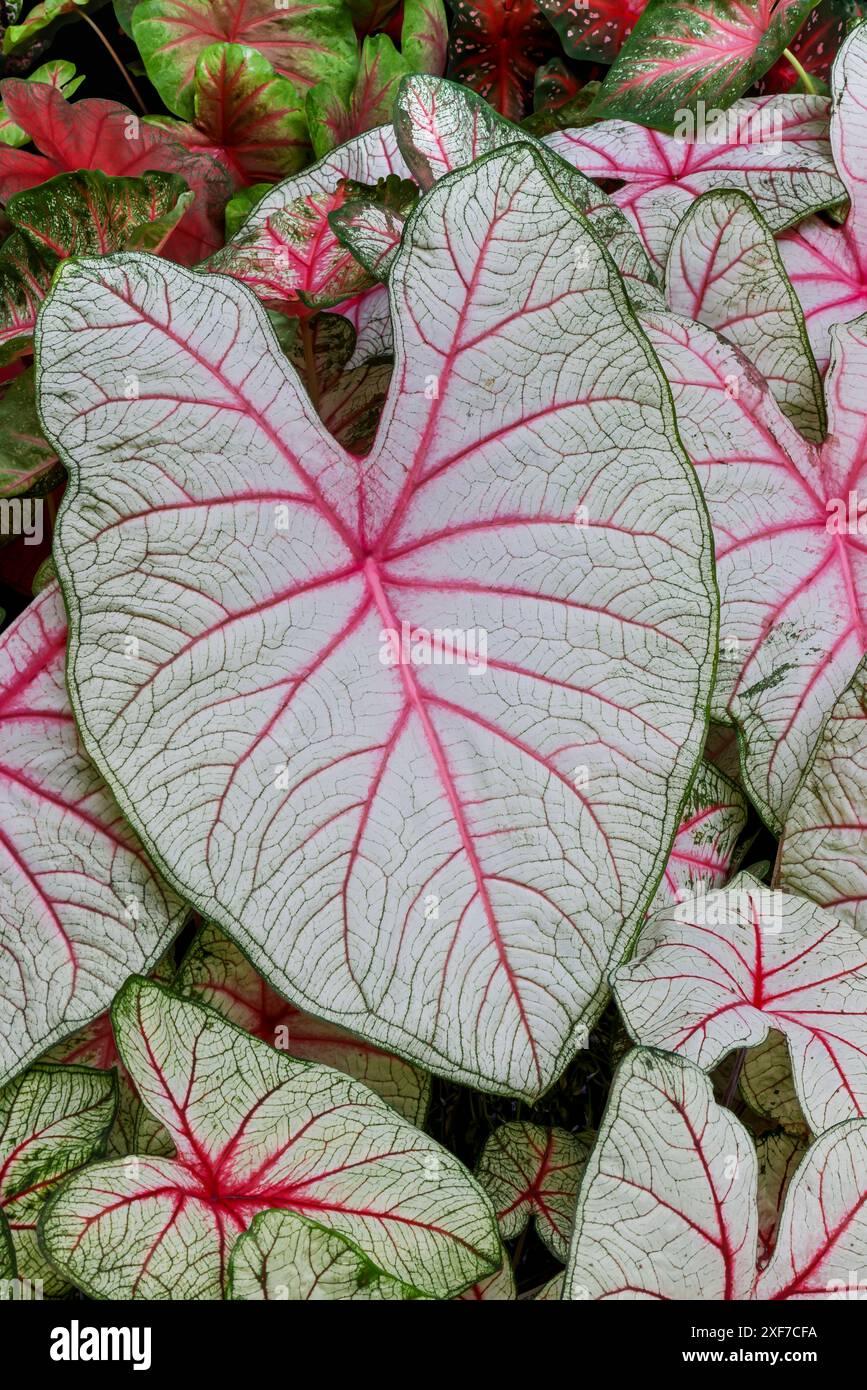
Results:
<point x="803" y="75"/>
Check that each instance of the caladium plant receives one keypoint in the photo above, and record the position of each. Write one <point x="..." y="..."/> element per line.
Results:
<point x="533" y="1173"/>
<point x="287" y="1256"/>
<point x="704" y="845"/>
<point x="495" y="48"/>
<point x="445" y="538"/>
<point x="593" y="28"/>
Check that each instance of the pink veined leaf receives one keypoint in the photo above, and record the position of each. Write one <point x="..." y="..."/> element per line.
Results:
<point x="774" y="149"/>
<point x="594" y="29"/>
<point x="495" y="47"/>
<point x="56" y="74"/>
<point x="334" y="119"/>
<point x="822" y="1235"/>
<point x="702" y="55"/>
<point x="216" y="971"/>
<point x="531" y="1172"/>
<point x="308" y="41"/>
<point x="792" y="568"/>
<point x="778" y="1158"/>
<point x="255" y="1131"/>
<point x="472" y="932"/>
<point x="704" y="845"/>
<point x="667" y="1207"/>
<point x="497" y="1288"/>
<point x="424" y="36"/>
<point x="80" y="905"/>
<point x="720" y="969"/>
<point x="287" y="1256"/>
<point x="828" y="265"/>
<point x="768" y="1087"/>
<point x="814" y="46"/>
<point x="824" y="848"/>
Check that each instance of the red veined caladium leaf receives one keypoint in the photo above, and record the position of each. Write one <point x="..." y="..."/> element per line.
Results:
<point x="724" y="270"/>
<point x="371" y="226"/>
<point x="216" y="971"/>
<point x="814" y="48"/>
<point x="434" y="934"/>
<point x="256" y="1131"/>
<point x="704" y="845"/>
<point x="285" y="1255"/>
<point x="792" y="575"/>
<point x="52" y="1120"/>
<point x="828" y="265"/>
<point x="56" y="74"/>
<point x="424" y="35"/>
<point x="778" y="1157"/>
<point x="593" y="28"/>
<point x="824" y="847"/>
<point x="821" y="1241"/>
<point x="720" y="969"/>
<point x="709" y="51"/>
<point x="308" y="41"/>
<point x="105" y="135"/>
<point x="495" y="47"/>
<point x="38" y="18"/>
<point x="775" y="149"/>
<point x="667" y="1208"/>
<point x="442" y="127"/>
<point x="244" y="115"/>
<point x="768" y="1087"/>
<point x="346" y="377"/>
<point x="528" y="1171"/>
<point x="80" y="905"/>
<point x="497" y="1288"/>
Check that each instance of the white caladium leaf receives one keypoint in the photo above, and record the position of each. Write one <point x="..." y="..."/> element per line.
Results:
<point x="667" y="1208"/>
<point x="704" y="845"/>
<point x="720" y="969"/>
<point x="442" y="126"/>
<point x="824" y="847"/>
<point x="80" y="906"/>
<point x="286" y="1256"/>
<point x="497" y="1288"/>
<point x="778" y="1157"/>
<point x="828" y="265"/>
<point x="768" y="1087"/>
<point x="791" y="565"/>
<point x="821" y="1245"/>
<point x="216" y="971"/>
<point x="528" y="1171"/>
<point x="52" y="1120"/>
<point x="479" y="640"/>
<point x="255" y="1131"/>
<point x="773" y="148"/>
<point x="724" y="270"/>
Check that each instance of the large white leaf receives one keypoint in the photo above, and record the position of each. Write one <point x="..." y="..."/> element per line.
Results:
<point x="440" y="848"/>
<point x="720" y="969"/>
<point x="824" y="848"/>
<point x="667" y="1208"/>
<point x="256" y="1131"/>
<point x="528" y="1171"/>
<point x="80" y="907"/>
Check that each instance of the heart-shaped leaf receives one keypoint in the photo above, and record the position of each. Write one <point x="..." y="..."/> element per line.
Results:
<point x="592" y="28"/>
<point x="287" y="1256"/>
<point x="667" y="1208"/>
<point x="216" y="971"/>
<point x="704" y="845"/>
<point x="308" y="41"/>
<point x="828" y="265"/>
<point x="778" y="1157"/>
<point x="822" y="1237"/>
<point x="528" y="1171"/>
<point x="697" y="56"/>
<point x="304" y="578"/>
<point x="255" y="1131"/>
<point x="52" y="1120"/>
<point x="496" y="48"/>
<point x="80" y="905"/>
<point x="774" y="149"/>
<point x="724" y="270"/>
<point x="720" y="969"/>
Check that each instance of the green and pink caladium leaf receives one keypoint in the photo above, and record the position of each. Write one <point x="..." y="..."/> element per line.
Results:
<point x="814" y="48"/>
<point x="287" y="1256"/>
<point x="57" y="74"/>
<point x="52" y="1121"/>
<point x="472" y="933"/>
<point x="704" y="845"/>
<point x="791" y="572"/>
<point x="528" y="1171"/>
<point x="724" y="270"/>
<point x="345" y="369"/>
<point x="495" y="49"/>
<point x="245" y="116"/>
<point x="707" y="52"/>
<point x="667" y="1207"/>
<point x="256" y="1131"/>
<point x="308" y="41"/>
<point x="824" y="847"/>
<point x="594" y="29"/>
<point x="821" y="1241"/>
<point x="828" y="264"/>
<point x="40" y="17"/>
<point x="778" y="1157"/>
<point x="720" y="969"/>
<point x="371" y="224"/>
<point x="216" y="971"/>
<point x="80" y="906"/>
<point x="424" y="36"/>
<point x="774" y="149"/>
<point x="768" y="1087"/>
<point x="441" y="127"/>
<point x="28" y="464"/>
